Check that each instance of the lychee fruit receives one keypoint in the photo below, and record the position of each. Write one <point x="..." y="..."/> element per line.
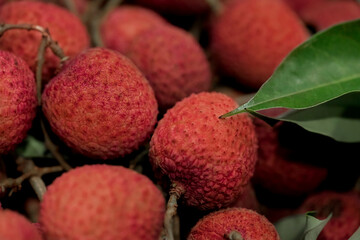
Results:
<point x="177" y="7"/>
<point x="100" y="104"/>
<point x="328" y="13"/>
<point x="275" y="169"/>
<point x="14" y="226"/>
<point x="17" y="101"/>
<point x="123" y="24"/>
<point x="345" y="209"/>
<point x="210" y="160"/>
<point x="173" y="62"/>
<point x="65" y="28"/>
<point x="250" y="38"/>
<point x="247" y="223"/>
<point x="102" y="202"/>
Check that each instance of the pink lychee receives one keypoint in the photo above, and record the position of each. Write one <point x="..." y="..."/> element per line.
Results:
<point x="102" y="202"/>
<point x="250" y="38"/>
<point x="173" y="62"/>
<point x="17" y="101"/>
<point x="123" y="24"/>
<point x="14" y="226"/>
<point x="100" y="104"/>
<point x="249" y="224"/>
<point x="209" y="159"/>
<point x="64" y="27"/>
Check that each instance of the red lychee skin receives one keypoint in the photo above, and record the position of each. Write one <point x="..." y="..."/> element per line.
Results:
<point x="123" y="24"/>
<point x="210" y="159"/>
<point x="250" y="38"/>
<point x="276" y="173"/>
<point x="65" y="28"/>
<point x="14" y="226"/>
<point x="178" y="7"/>
<point x="247" y="199"/>
<point x="100" y="104"/>
<point x="328" y="13"/>
<point x="102" y="202"/>
<point x="346" y="213"/>
<point x="173" y="62"/>
<point x="17" y="101"/>
<point x="248" y="223"/>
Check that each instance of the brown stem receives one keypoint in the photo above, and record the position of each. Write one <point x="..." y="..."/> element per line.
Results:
<point x="54" y="46"/>
<point x="215" y="5"/>
<point x="175" y="193"/>
<point x="234" y="235"/>
<point x="139" y="157"/>
<point x="53" y="148"/>
<point x="32" y="172"/>
<point x="39" y="66"/>
<point x="69" y="4"/>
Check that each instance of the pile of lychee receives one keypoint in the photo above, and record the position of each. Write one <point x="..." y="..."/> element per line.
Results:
<point x="137" y="119"/>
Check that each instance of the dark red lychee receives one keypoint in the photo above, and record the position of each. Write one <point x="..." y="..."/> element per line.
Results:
<point x="100" y="104"/>
<point x="345" y="209"/>
<point x="178" y="7"/>
<point x="210" y="159"/>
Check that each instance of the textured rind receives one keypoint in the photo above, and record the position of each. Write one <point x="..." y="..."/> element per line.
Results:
<point x="278" y="174"/>
<point x="14" y="226"/>
<point x="17" y="100"/>
<point x="65" y="28"/>
<point x="346" y="213"/>
<point x="327" y="13"/>
<point x="100" y="104"/>
<point x="248" y="223"/>
<point x="102" y="202"/>
<point x="179" y="7"/>
<point x="123" y="24"/>
<point x="173" y="62"/>
<point x="250" y="38"/>
<point x="211" y="159"/>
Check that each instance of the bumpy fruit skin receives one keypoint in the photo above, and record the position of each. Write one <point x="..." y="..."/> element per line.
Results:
<point x="248" y="223"/>
<point x="251" y="37"/>
<point x="345" y="208"/>
<point x="17" y="101"/>
<point x="173" y="62"/>
<point x="14" y="226"/>
<point x="209" y="159"/>
<point x="327" y="13"/>
<point x="276" y="172"/>
<point x="123" y="24"/>
<point x="102" y="202"/>
<point x="64" y="27"/>
<point x="100" y="104"/>
<point x="178" y="7"/>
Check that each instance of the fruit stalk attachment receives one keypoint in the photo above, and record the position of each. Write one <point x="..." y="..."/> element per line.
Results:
<point x="234" y="235"/>
<point x="215" y="5"/>
<point x="175" y="193"/>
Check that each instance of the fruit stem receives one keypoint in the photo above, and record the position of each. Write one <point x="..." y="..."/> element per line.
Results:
<point x="39" y="66"/>
<point x="71" y="6"/>
<point x="215" y="5"/>
<point x="53" y="148"/>
<point x="234" y="235"/>
<point x="175" y="193"/>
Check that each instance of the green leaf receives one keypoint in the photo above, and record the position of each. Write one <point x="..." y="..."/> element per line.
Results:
<point x="31" y="147"/>
<point x="338" y="118"/>
<point x="324" y="67"/>
<point x="356" y="235"/>
<point x="314" y="226"/>
<point x="292" y="227"/>
<point x="301" y="227"/>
